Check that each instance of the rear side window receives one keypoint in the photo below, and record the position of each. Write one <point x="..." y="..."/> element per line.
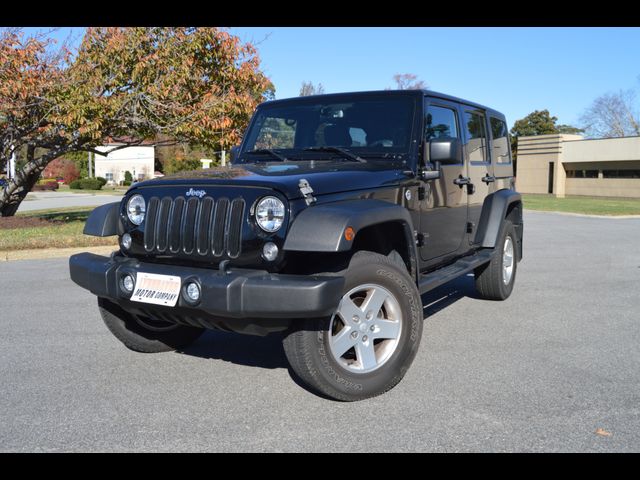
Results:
<point x="477" y="132"/>
<point x="500" y="137"/>
<point x="440" y="122"/>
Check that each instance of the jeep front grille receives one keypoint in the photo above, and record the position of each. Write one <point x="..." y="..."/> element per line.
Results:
<point x="199" y="227"/>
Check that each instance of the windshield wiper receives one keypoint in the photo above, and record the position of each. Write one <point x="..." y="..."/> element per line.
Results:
<point x="270" y="151"/>
<point x="346" y="153"/>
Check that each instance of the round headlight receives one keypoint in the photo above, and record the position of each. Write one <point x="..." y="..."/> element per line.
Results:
<point x="136" y="209"/>
<point x="270" y="214"/>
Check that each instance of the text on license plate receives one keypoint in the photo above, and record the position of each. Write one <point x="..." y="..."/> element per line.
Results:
<point x="157" y="289"/>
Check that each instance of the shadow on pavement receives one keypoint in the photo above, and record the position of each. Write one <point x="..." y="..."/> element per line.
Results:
<point x="253" y="351"/>
<point x="449" y="293"/>
<point x="267" y="352"/>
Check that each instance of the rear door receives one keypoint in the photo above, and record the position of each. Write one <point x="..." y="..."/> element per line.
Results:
<point x="500" y="152"/>
<point x="478" y="160"/>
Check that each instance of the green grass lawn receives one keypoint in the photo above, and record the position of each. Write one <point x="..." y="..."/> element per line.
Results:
<point x="55" y="228"/>
<point x="585" y="205"/>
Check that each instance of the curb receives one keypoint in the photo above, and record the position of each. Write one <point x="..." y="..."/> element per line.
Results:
<point x="571" y="214"/>
<point x="43" y="253"/>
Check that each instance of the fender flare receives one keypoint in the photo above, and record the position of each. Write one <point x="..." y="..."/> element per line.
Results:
<point x="494" y="211"/>
<point x="104" y="221"/>
<point x="320" y="228"/>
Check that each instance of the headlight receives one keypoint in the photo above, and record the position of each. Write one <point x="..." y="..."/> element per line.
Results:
<point x="136" y="209"/>
<point x="270" y="214"/>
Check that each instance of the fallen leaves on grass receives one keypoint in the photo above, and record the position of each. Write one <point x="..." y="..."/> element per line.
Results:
<point x="7" y="223"/>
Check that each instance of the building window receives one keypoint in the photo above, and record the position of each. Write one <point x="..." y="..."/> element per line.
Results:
<point x="621" y="173"/>
<point x="582" y="173"/>
<point x="108" y="177"/>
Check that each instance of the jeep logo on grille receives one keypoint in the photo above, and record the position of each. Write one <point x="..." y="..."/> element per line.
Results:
<point x="196" y="193"/>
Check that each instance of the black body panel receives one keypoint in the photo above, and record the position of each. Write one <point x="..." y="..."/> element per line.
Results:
<point x="235" y="293"/>
<point x="104" y="221"/>
<point x="321" y="228"/>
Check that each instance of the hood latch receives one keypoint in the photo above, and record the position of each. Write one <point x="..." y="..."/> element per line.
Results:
<point x="306" y="191"/>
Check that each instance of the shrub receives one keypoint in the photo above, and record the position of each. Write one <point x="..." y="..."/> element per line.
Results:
<point x="126" y="183"/>
<point x="90" y="184"/>
<point x="44" y="181"/>
<point x="128" y="177"/>
<point x="86" y="184"/>
<point x="102" y="180"/>
<point x="45" y="186"/>
<point x="62" y="168"/>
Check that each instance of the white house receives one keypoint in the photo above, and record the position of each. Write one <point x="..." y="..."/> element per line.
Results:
<point x="137" y="160"/>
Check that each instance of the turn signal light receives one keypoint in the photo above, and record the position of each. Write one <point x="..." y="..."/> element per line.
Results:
<point x="349" y="234"/>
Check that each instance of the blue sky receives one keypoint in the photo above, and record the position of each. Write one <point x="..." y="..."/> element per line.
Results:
<point x="514" y="70"/>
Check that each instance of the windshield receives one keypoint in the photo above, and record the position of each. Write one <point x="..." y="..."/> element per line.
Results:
<point x="379" y="126"/>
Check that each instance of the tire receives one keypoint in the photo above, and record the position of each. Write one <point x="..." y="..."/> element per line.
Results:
<point x="392" y="334"/>
<point x="490" y="278"/>
<point x="143" y="334"/>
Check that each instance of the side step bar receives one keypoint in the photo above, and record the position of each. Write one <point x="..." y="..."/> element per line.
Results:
<point x="464" y="265"/>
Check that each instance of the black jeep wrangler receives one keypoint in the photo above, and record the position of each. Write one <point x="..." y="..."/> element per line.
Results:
<point x="337" y="213"/>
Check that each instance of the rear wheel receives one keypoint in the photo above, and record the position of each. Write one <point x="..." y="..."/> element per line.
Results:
<point x="367" y="345"/>
<point x="495" y="280"/>
<point x="144" y="334"/>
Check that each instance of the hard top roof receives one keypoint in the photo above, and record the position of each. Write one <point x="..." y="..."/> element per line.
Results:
<point x="420" y="92"/>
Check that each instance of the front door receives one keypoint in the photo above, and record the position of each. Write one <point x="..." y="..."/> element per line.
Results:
<point x="443" y="206"/>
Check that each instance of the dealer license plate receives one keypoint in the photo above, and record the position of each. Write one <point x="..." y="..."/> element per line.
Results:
<point x="156" y="289"/>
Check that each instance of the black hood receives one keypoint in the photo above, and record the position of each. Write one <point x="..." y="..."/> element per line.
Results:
<point x="324" y="177"/>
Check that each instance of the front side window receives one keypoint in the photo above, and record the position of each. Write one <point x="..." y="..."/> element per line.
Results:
<point x="477" y="134"/>
<point x="500" y="137"/>
<point x="440" y="122"/>
<point x="372" y="126"/>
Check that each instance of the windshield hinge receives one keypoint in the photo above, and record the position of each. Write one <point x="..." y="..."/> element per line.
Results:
<point x="306" y="191"/>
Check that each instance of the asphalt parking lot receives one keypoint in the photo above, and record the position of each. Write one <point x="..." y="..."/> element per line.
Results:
<point x="542" y="371"/>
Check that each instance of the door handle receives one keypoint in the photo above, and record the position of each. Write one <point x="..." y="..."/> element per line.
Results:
<point x="460" y="181"/>
<point x="488" y="179"/>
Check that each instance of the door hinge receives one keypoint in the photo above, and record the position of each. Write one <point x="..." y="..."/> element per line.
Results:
<point x="422" y="193"/>
<point x="470" y="226"/>
<point x="421" y="239"/>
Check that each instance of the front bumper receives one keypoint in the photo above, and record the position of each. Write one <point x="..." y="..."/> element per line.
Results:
<point x="235" y="293"/>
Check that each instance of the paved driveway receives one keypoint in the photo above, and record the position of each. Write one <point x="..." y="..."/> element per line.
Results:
<point x="43" y="200"/>
<point x="540" y="372"/>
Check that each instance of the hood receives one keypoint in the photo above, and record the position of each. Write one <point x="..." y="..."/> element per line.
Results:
<point x="323" y="176"/>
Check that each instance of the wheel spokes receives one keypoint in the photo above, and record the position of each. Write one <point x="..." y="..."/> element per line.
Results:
<point x="349" y="311"/>
<point x="366" y="313"/>
<point x="366" y="355"/>
<point x="342" y="341"/>
<point x="373" y="303"/>
<point x="386" y="329"/>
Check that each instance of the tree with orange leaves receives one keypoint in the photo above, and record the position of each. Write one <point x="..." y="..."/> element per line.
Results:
<point x="196" y="85"/>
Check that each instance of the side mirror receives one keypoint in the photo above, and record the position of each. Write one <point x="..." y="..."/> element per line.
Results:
<point x="446" y="151"/>
<point x="235" y="151"/>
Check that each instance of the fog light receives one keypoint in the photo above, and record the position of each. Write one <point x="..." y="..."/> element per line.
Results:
<point x="193" y="291"/>
<point x="270" y="251"/>
<point x="128" y="283"/>
<point x="126" y="241"/>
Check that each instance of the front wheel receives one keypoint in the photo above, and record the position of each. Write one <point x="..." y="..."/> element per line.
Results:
<point x="143" y="334"/>
<point x="368" y="344"/>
